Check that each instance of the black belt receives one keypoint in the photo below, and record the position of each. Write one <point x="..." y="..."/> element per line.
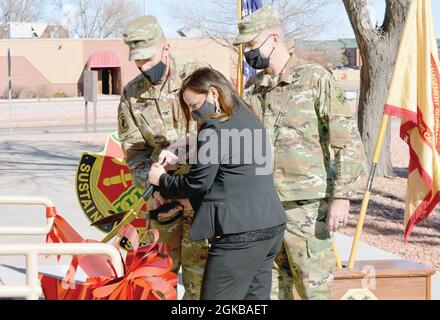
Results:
<point x="249" y="236"/>
<point x="299" y="203"/>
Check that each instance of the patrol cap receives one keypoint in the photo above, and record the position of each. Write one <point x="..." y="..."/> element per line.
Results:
<point x="251" y="26"/>
<point x="143" y="36"/>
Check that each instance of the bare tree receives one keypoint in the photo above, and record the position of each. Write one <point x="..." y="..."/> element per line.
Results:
<point x="97" y="18"/>
<point x="302" y="19"/>
<point x="18" y="11"/>
<point x="218" y="19"/>
<point x="378" y="47"/>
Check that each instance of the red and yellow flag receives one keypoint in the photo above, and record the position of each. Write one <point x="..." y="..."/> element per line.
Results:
<point x="414" y="96"/>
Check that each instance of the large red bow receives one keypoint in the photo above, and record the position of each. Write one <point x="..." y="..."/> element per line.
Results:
<point x="147" y="270"/>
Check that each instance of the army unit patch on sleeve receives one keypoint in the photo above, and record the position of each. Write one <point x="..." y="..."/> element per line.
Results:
<point x="339" y="103"/>
<point x="340" y="95"/>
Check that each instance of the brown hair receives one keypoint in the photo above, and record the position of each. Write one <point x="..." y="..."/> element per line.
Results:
<point x="200" y="81"/>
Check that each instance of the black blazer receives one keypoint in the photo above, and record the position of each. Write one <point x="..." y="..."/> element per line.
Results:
<point x="228" y="196"/>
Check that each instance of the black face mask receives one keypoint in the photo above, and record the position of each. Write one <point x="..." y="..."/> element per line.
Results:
<point x="202" y="114"/>
<point x="155" y="73"/>
<point x="256" y="60"/>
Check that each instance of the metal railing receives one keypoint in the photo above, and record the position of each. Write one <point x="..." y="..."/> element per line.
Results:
<point x="32" y="290"/>
<point x="31" y="231"/>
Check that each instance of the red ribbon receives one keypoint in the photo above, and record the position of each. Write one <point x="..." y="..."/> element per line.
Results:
<point x="51" y="212"/>
<point x="147" y="272"/>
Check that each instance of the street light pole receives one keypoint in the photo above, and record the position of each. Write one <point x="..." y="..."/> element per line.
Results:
<point x="145" y="7"/>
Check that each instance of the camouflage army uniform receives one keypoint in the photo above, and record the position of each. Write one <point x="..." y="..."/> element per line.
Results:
<point x="307" y="115"/>
<point x="146" y="112"/>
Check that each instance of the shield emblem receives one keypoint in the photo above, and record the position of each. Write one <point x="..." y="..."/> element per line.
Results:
<point x="104" y="186"/>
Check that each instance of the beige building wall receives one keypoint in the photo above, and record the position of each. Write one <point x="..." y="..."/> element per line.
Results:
<point x="56" y="65"/>
<point x="59" y="61"/>
<point x="42" y="64"/>
<point x="208" y="50"/>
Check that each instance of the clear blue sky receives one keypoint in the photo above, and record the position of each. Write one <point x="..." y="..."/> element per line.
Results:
<point x="340" y="28"/>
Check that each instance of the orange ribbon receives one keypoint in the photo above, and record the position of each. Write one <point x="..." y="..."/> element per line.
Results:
<point x="147" y="272"/>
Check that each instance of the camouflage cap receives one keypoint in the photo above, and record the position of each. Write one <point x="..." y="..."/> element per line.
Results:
<point x="251" y="26"/>
<point x="143" y="35"/>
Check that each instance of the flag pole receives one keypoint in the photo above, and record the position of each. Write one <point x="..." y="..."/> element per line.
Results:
<point x="366" y="199"/>
<point x="240" y="57"/>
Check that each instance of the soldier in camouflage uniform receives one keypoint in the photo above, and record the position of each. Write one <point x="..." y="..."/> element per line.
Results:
<point x="319" y="159"/>
<point x="148" y="114"/>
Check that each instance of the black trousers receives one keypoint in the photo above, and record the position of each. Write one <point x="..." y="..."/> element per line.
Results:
<point x="240" y="271"/>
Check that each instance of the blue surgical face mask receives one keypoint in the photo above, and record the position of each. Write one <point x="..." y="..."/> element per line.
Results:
<point x="202" y="113"/>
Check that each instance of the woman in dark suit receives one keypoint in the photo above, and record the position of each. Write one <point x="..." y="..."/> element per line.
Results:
<point x="231" y="189"/>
